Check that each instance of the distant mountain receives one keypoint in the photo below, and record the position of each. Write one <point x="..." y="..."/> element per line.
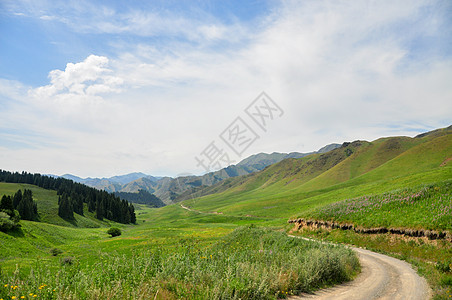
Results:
<point x="71" y="177"/>
<point x="124" y="179"/>
<point x="170" y="190"/>
<point x="111" y="184"/>
<point x="261" y="160"/>
<point x="328" y="148"/>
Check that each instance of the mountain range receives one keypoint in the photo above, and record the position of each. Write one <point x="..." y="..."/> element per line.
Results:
<point x="171" y="190"/>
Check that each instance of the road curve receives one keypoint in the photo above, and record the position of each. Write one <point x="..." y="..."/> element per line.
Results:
<point x="381" y="277"/>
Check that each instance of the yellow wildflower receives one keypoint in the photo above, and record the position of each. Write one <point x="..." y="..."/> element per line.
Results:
<point x="22" y="297"/>
<point x="13" y="297"/>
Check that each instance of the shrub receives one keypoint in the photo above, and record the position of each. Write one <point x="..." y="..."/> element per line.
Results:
<point x="55" y="251"/>
<point x="9" y="220"/>
<point x="114" y="231"/>
<point x="67" y="260"/>
<point x="444" y="266"/>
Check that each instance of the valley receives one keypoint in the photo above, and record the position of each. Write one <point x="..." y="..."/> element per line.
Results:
<point x="234" y="231"/>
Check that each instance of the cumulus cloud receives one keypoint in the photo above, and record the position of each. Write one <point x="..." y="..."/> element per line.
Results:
<point x="83" y="80"/>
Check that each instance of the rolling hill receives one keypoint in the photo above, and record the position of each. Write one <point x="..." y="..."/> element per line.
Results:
<point x="294" y="187"/>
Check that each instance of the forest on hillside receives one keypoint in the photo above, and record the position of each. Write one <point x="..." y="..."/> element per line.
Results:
<point x="72" y="197"/>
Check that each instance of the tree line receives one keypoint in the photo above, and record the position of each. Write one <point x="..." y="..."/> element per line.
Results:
<point x="14" y="208"/>
<point x="73" y="195"/>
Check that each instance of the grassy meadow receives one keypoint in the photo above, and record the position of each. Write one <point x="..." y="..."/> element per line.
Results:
<point x="249" y="263"/>
<point x="232" y="244"/>
<point x="171" y="253"/>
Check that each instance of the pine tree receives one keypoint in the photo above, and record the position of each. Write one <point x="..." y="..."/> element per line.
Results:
<point x="100" y="209"/>
<point x="65" y="209"/>
<point x="17" y="198"/>
<point x="6" y="203"/>
<point x="133" y="217"/>
<point x="27" y="208"/>
<point x="77" y="203"/>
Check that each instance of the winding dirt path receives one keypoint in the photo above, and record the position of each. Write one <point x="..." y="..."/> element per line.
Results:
<point x="381" y="277"/>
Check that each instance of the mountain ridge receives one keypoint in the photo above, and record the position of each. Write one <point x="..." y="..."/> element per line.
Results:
<point x="170" y="189"/>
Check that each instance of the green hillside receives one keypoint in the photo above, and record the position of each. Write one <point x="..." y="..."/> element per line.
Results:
<point x="294" y="187"/>
<point x="47" y="201"/>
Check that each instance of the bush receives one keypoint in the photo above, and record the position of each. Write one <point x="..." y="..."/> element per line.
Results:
<point x="55" y="251"/>
<point x="67" y="260"/>
<point x="444" y="266"/>
<point x="114" y="231"/>
<point x="9" y="220"/>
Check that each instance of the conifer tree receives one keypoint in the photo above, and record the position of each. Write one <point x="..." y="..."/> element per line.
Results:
<point x="6" y="203"/>
<point x="28" y="208"/>
<point x="17" y="198"/>
<point x="100" y="209"/>
<point x="65" y="209"/>
<point x="133" y="218"/>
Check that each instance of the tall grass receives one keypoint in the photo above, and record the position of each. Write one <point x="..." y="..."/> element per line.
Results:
<point x="427" y="206"/>
<point x="249" y="263"/>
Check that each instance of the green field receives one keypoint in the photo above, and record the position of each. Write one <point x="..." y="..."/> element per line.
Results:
<point x="398" y="182"/>
<point x="164" y="255"/>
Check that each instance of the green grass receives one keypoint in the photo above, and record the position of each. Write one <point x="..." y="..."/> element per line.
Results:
<point x="249" y="263"/>
<point x="426" y="206"/>
<point x="167" y="254"/>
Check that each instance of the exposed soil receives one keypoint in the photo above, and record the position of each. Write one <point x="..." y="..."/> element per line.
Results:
<point x="419" y="233"/>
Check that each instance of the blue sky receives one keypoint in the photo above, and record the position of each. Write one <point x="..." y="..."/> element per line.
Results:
<point x="100" y="88"/>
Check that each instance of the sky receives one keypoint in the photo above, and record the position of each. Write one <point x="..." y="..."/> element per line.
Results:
<point x="103" y="88"/>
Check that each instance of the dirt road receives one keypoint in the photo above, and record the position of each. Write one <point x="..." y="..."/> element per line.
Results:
<point x="382" y="277"/>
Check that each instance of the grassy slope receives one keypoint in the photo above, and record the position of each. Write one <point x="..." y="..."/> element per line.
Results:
<point x="290" y="188"/>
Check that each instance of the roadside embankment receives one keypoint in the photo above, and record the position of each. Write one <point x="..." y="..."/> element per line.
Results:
<point x="315" y="224"/>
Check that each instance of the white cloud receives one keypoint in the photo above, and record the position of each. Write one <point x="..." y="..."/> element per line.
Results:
<point x="83" y="80"/>
<point x="340" y="71"/>
<point x="98" y="18"/>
